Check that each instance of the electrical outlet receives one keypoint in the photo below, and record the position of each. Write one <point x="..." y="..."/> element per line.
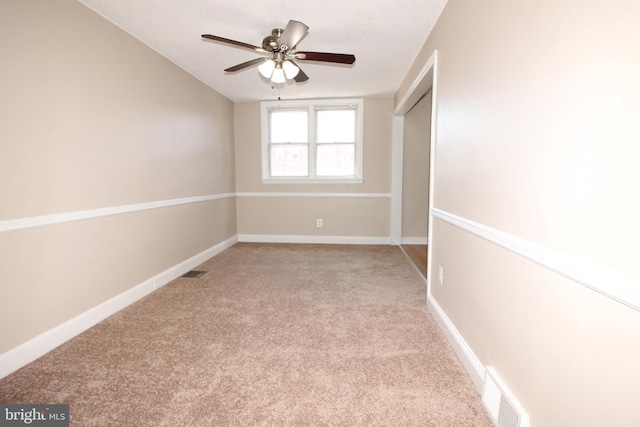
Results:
<point x="319" y="223"/>
<point x="441" y="275"/>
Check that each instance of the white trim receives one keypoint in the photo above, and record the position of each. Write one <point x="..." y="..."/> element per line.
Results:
<point x="312" y="180"/>
<point x="469" y="360"/>
<point x="29" y="351"/>
<point x="37" y="221"/>
<point x="427" y="78"/>
<point x="494" y="395"/>
<point x="419" y="87"/>
<point x="312" y="106"/>
<point x="432" y="64"/>
<point x="397" y="171"/>
<point x="598" y="278"/>
<point x="415" y="240"/>
<point x="335" y="240"/>
<point x="284" y="194"/>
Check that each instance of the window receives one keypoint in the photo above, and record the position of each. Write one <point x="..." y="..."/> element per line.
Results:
<point x="312" y="141"/>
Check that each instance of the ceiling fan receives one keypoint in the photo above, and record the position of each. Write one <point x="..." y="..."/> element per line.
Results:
<point x="280" y="52"/>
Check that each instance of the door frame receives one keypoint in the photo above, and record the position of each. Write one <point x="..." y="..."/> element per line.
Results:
<point x="425" y="80"/>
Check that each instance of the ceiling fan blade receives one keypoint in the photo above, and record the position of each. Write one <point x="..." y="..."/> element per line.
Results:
<point x="292" y="34"/>
<point x="233" y="42"/>
<point x="340" y="58"/>
<point x="245" y="65"/>
<point x="301" y="76"/>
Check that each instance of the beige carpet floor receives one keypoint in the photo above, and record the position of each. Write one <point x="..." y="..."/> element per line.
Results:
<point x="271" y="335"/>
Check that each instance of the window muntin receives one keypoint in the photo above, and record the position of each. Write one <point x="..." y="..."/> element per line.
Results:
<point x="312" y="141"/>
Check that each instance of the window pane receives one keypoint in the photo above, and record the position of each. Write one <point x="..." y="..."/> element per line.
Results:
<point x="336" y="125"/>
<point x="288" y="126"/>
<point x="335" y="160"/>
<point x="289" y="160"/>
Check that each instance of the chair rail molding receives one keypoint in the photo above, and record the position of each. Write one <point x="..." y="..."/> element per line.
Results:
<point x="596" y="277"/>
<point x="42" y="220"/>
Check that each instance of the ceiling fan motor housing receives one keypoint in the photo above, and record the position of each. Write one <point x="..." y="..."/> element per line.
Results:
<point x="270" y="43"/>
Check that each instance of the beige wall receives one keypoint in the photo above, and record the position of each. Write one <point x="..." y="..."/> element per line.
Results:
<point x="537" y="137"/>
<point x="415" y="179"/>
<point x="270" y="214"/>
<point x="91" y="118"/>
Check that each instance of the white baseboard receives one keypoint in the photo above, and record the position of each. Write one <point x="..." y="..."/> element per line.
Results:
<point x="29" y="351"/>
<point x="469" y="360"/>
<point x="415" y="240"/>
<point x="340" y="240"/>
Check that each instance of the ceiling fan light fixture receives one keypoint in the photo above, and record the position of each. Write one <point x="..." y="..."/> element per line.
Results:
<point x="281" y="50"/>
<point x="290" y="69"/>
<point x="278" y="75"/>
<point x="266" y="69"/>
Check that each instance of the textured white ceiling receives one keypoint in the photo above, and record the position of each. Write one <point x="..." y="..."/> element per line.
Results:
<point x="385" y="37"/>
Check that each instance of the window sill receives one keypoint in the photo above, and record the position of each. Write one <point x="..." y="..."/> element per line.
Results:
<point x="312" y="180"/>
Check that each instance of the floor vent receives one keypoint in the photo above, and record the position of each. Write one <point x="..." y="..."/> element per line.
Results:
<point x="502" y="405"/>
<point x="194" y="274"/>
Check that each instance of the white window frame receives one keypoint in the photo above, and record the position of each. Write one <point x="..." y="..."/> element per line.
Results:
<point x="312" y="106"/>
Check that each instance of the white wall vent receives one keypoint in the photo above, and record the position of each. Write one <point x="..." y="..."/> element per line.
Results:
<point x="504" y="408"/>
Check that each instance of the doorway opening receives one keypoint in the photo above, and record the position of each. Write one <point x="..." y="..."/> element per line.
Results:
<point x="415" y="181"/>
<point x="413" y="171"/>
